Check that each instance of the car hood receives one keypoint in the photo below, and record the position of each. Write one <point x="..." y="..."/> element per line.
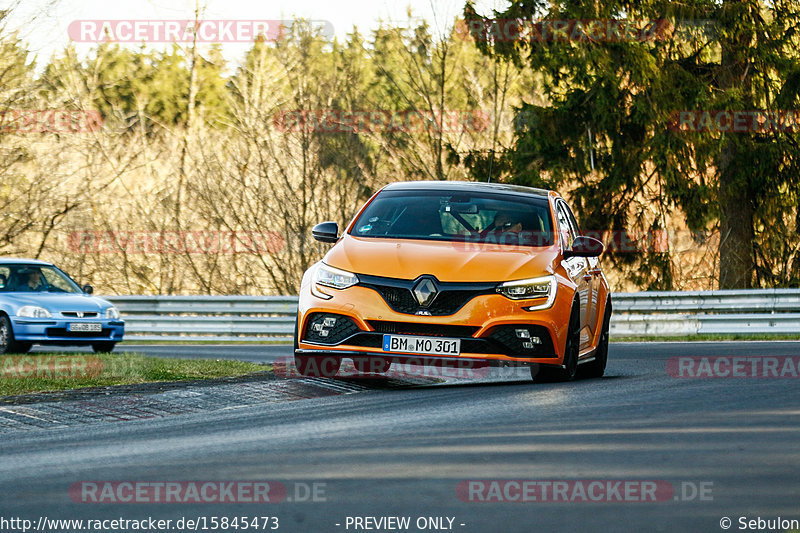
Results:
<point x="447" y="261"/>
<point x="55" y="302"/>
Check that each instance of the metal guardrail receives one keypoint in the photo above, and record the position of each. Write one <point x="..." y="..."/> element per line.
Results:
<point x="212" y="318"/>
<point x="271" y="318"/>
<point x="754" y="311"/>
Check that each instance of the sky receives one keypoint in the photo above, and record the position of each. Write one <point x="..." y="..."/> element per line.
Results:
<point x="42" y="24"/>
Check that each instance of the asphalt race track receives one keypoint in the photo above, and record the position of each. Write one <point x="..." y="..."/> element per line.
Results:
<point x="715" y="448"/>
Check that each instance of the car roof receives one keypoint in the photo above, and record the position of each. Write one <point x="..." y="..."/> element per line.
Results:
<point x="15" y="261"/>
<point x="465" y="186"/>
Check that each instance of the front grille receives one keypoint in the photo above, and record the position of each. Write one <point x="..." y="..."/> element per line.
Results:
<point x="398" y="298"/>
<point x="78" y="314"/>
<point x="469" y="345"/>
<point x="366" y="340"/>
<point x="448" y="302"/>
<point x="450" y="298"/>
<point x="481" y="346"/>
<point x="63" y="332"/>
<point x="410" y="328"/>
<point x="487" y="345"/>
<point x="329" y="328"/>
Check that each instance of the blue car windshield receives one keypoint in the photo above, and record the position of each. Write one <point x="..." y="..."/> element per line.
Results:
<point x="35" y="278"/>
<point x="473" y="217"/>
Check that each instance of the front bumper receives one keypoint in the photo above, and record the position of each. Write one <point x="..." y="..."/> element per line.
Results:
<point x="56" y="331"/>
<point x="485" y="325"/>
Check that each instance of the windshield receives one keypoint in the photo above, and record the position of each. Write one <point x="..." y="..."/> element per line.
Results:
<point x="443" y="216"/>
<point x="35" y="278"/>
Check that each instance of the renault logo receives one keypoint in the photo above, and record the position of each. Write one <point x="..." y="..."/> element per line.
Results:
<point x="425" y="292"/>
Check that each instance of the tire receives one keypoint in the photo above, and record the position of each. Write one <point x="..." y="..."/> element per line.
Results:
<point x="597" y="368"/>
<point x="7" y="342"/>
<point x="552" y="374"/>
<point x="103" y="347"/>
<point x="317" y="366"/>
<point x="371" y="365"/>
<point x="296" y="333"/>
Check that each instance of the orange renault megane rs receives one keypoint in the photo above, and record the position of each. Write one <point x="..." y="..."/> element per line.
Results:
<point x="456" y="273"/>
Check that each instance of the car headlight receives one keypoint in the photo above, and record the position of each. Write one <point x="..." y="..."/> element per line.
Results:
<point x="33" y="311"/>
<point x="328" y="276"/>
<point x="529" y="289"/>
<point x="112" y="313"/>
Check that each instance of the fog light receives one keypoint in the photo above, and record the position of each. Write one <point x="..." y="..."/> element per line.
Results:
<point x="523" y="334"/>
<point x="528" y="345"/>
<point x="316" y="326"/>
<point x="329" y="322"/>
<point x="536" y="340"/>
<point x="324" y="333"/>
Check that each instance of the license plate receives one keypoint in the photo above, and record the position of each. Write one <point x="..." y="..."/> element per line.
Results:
<point x="86" y="326"/>
<point x="421" y="345"/>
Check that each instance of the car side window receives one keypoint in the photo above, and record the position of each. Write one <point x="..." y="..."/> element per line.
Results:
<point x="54" y="280"/>
<point x="565" y="227"/>
<point x="574" y="223"/>
<point x="4" y="274"/>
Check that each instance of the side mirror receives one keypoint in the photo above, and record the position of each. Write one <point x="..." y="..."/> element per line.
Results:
<point x="88" y="289"/>
<point x="326" y="232"/>
<point x="584" y="247"/>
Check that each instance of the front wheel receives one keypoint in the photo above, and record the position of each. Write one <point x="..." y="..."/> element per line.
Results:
<point x="103" y="347"/>
<point x="7" y="342"/>
<point x="597" y="368"/>
<point x="549" y="373"/>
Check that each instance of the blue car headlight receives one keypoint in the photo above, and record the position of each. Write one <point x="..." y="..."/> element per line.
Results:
<point x="33" y="311"/>
<point x="112" y="313"/>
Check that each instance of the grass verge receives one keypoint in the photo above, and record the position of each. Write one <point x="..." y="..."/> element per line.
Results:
<point x="21" y="374"/>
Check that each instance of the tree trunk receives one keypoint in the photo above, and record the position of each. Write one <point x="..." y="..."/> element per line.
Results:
<point x="736" y="258"/>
